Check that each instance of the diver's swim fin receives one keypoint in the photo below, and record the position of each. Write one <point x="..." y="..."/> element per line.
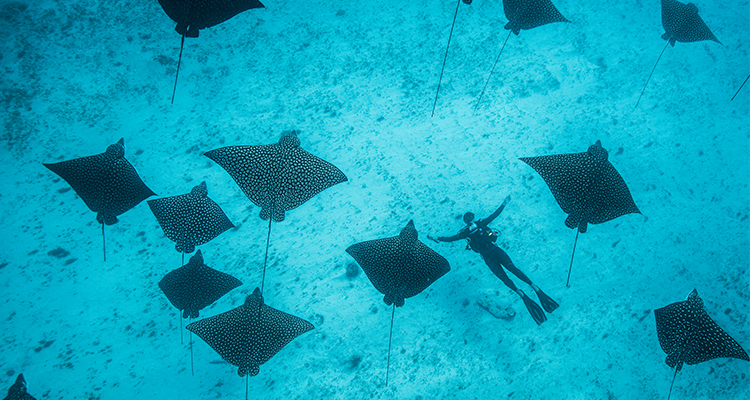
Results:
<point x="546" y="301"/>
<point x="534" y="309"/>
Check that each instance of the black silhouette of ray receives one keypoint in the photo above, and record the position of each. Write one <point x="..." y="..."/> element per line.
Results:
<point x="682" y="24"/>
<point x="250" y="334"/>
<point x="190" y="219"/>
<point x="195" y="286"/>
<point x="524" y="14"/>
<point x="193" y="15"/>
<point x="18" y="390"/>
<point x="586" y="186"/>
<point x="445" y="58"/>
<point x="740" y="88"/>
<point x="106" y="182"/>
<point x="688" y="335"/>
<point x="399" y="267"/>
<point x="277" y="177"/>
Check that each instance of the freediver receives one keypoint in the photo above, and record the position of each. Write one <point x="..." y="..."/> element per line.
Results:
<point x="482" y="240"/>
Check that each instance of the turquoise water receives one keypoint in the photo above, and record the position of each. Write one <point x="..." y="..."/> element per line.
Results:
<point x="358" y="80"/>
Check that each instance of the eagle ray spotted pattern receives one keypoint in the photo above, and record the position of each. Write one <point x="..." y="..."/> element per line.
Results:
<point x="107" y="183"/>
<point x="524" y="14"/>
<point x="250" y="334"/>
<point x="681" y="23"/>
<point x="586" y="186"/>
<point x="687" y="334"/>
<point x="277" y="177"/>
<point x="18" y="390"/>
<point x="399" y="267"/>
<point x="530" y="14"/>
<point x="190" y="219"/>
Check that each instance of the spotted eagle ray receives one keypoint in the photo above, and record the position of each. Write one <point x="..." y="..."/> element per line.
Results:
<point x="18" y="390"/>
<point x="194" y="15"/>
<point x="190" y="219"/>
<point x="450" y="35"/>
<point x="399" y="267"/>
<point x="524" y="14"/>
<point x="106" y="182"/>
<point x="586" y="186"/>
<point x="277" y="177"/>
<point x="250" y="334"/>
<point x="687" y="334"/>
<point x="195" y="286"/>
<point x="682" y="24"/>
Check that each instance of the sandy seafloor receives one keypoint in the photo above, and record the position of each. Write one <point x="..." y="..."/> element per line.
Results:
<point x="357" y="80"/>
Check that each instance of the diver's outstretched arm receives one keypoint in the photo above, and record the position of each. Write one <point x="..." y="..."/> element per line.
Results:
<point x="453" y="238"/>
<point x="497" y="212"/>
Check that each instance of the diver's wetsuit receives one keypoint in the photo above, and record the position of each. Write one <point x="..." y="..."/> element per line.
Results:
<point x="481" y="241"/>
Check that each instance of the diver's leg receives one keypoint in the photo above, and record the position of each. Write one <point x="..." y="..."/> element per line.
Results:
<point x="497" y="269"/>
<point x="508" y="264"/>
<point x="547" y="302"/>
<point x="493" y="262"/>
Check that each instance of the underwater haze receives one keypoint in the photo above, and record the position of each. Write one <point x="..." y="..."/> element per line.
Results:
<point x="357" y="80"/>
